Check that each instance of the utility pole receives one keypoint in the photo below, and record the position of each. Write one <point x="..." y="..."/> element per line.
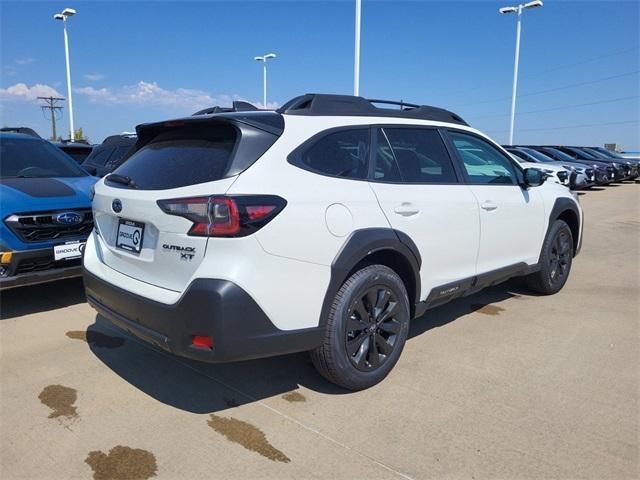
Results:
<point x="51" y="105"/>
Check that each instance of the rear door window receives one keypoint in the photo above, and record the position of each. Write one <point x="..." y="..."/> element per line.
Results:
<point x="419" y="153"/>
<point x="178" y="159"/>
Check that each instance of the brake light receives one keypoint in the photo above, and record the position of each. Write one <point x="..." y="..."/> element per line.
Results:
<point x="225" y="216"/>
<point x="202" y="341"/>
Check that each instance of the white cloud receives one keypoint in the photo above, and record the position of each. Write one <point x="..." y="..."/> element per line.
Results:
<point x="93" y="77"/>
<point x="270" y="105"/>
<point x="25" y="61"/>
<point x="150" y="94"/>
<point x="22" y="92"/>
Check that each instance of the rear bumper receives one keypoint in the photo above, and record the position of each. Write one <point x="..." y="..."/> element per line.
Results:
<point x="209" y="307"/>
<point x="30" y="267"/>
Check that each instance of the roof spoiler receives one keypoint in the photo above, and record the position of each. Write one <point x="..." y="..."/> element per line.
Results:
<point x="237" y="106"/>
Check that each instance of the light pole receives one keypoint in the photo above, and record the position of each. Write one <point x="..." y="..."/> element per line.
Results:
<point x="66" y="13"/>
<point x="356" y="59"/>
<point x="517" y="10"/>
<point x="264" y="59"/>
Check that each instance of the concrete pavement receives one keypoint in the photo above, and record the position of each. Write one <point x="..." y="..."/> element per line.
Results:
<point x="501" y="384"/>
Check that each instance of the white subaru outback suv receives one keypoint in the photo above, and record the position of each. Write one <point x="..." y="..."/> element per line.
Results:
<point x="324" y="226"/>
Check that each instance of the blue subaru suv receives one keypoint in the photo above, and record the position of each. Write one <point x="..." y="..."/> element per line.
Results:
<point x="45" y="212"/>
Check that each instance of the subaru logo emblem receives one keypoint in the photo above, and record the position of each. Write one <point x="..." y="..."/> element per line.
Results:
<point x="68" y="218"/>
<point x="116" y="205"/>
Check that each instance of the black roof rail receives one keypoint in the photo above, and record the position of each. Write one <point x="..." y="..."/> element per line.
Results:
<point x="237" y="106"/>
<point x="402" y="104"/>
<point x="23" y="130"/>
<point x="326" y="104"/>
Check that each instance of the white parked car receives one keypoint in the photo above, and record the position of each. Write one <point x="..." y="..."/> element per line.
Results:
<point x="554" y="173"/>
<point x="324" y="226"/>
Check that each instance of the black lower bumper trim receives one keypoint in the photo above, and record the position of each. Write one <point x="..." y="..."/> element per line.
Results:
<point x="209" y="307"/>
<point x="30" y="267"/>
<point x="44" y="276"/>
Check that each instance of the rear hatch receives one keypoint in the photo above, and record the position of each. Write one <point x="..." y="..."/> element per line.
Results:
<point x="193" y="158"/>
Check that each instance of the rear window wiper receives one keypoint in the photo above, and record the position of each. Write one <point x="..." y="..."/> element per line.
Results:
<point x="121" y="179"/>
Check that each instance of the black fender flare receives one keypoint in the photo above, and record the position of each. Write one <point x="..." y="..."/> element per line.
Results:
<point x="560" y="206"/>
<point x="359" y="245"/>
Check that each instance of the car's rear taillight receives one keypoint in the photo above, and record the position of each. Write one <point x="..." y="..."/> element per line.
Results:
<point x="225" y="216"/>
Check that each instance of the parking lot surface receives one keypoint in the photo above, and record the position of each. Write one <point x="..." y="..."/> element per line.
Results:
<point x="501" y="384"/>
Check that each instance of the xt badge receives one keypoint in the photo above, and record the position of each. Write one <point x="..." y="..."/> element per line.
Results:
<point x="186" y="253"/>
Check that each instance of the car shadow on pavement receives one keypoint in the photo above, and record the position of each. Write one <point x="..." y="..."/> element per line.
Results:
<point x="208" y="388"/>
<point x="17" y="302"/>
<point x="199" y="387"/>
<point x="483" y="301"/>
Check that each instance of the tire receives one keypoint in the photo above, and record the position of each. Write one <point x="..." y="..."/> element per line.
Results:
<point x="555" y="261"/>
<point x="362" y="341"/>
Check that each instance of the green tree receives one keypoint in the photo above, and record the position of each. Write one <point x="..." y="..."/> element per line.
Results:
<point x="79" y="135"/>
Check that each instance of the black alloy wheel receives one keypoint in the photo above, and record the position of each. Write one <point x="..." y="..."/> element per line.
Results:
<point x="366" y="328"/>
<point x="560" y="257"/>
<point x="554" y="266"/>
<point x="372" y="328"/>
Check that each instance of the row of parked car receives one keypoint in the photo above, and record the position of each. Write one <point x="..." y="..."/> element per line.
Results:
<point x="578" y="167"/>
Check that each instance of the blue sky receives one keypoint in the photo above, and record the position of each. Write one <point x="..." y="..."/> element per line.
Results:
<point x="134" y="62"/>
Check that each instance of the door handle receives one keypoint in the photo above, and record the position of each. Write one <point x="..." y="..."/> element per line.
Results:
<point x="488" y="206"/>
<point x="406" y="209"/>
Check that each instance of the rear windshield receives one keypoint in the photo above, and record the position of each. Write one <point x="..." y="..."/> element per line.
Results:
<point x="27" y="158"/>
<point x="172" y="161"/>
<point x="119" y="154"/>
<point x="537" y="155"/>
<point x="99" y="156"/>
<point x="560" y="155"/>
<point x="77" y="156"/>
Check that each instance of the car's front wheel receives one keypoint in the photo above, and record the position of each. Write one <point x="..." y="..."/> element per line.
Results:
<point x="366" y="329"/>
<point x="555" y="260"/>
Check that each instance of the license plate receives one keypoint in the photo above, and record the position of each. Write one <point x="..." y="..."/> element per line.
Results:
<point x="68" y="251"/>
<point x="130" y="235"/>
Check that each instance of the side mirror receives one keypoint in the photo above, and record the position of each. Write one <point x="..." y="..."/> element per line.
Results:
<point x="534" y="177"/>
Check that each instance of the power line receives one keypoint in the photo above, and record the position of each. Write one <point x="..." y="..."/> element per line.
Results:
<point x="570" y="126"/>
<point x="579" y="84"/>
<point x="565" y="107"/>
<point x="548" y="90"/>
<point x="582" y="62"/>
<point x="549" y="70"/>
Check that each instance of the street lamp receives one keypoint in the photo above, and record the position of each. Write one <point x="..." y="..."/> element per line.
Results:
<point x="517" y="10"/>
<point x="264" y="59"/>
<point x="356" y="59"/>
<point x="66" y="13"/>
